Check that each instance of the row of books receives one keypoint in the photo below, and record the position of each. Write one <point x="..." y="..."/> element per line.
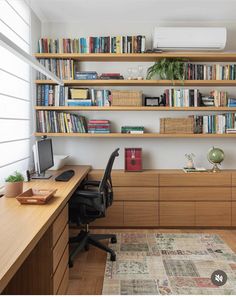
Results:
<point x="182" y="97"/>
<point x="60" y="122"/>
<point x="104" y="44"/>
<point x="99" y="126"/>
<point x="51" y="95"/>
<point x="209" y="72"/>
<point x="214" y="124"/>
<point x="64" y="69"/>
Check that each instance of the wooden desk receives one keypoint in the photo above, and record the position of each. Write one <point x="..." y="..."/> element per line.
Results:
<point x="29" y="238"/>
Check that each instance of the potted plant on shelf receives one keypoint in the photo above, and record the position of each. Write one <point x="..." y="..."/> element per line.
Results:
<point x="171" y="69"/>
<point x="14" y="185"/>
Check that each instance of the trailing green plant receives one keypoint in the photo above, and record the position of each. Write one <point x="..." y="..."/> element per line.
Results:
<point x="16" y="177"/>
<point x="167" y="68"/>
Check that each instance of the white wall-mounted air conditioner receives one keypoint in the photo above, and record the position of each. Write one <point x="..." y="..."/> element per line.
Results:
<point x="189" y="38"/>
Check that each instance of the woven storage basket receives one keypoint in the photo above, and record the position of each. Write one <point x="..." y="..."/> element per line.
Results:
<point x="177" y="125"/>
<point x="126" y="98"/>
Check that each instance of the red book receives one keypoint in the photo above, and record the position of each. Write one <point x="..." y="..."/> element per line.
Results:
<point x="98" y="122"/>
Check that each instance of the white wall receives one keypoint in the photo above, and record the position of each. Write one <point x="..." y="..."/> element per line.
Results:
<point x="157" y="153"/>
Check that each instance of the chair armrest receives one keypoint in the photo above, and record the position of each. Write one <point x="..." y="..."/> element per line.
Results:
<point x="86" y="194"/>
<point x="94" y="183"/>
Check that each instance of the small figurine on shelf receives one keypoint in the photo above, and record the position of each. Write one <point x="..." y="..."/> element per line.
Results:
<point x="190" y="163"/>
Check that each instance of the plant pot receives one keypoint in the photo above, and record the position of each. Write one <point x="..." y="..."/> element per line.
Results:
<point x="13" y="189"/>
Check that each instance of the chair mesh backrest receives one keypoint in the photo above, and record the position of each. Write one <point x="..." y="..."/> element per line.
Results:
<point x="106" y="180"/>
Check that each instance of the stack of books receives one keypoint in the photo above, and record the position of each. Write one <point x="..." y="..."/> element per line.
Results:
<point x="232" y="102"/>
<point x="99" y="126"/>
<point x="85" y="75"/>
<point x="79" y="97"/>
<point x="111" y="76"/>
<point x="132" y="129"/>
<point x="105" y="44"/>
<point x="64" y="69"/>
<point x="51" y="95"/>
<point x="182" y="97"/>
<point x="60" y="122"/>
<point x="210" y="72"/>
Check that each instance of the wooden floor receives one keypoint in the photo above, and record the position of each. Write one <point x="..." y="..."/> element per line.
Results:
<point x="86" y="277"/>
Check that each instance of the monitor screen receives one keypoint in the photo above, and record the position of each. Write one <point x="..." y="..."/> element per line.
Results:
<point x="45" y="154"/>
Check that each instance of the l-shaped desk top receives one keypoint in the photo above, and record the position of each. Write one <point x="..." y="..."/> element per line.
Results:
<point x="22" y="226"/>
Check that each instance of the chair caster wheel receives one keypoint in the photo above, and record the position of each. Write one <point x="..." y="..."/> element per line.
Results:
<point x="86" y="247"/>
<point x="113" y="258"/>
<point x="113" y="240"/>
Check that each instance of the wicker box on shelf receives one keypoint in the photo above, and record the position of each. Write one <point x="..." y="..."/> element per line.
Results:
<point x="126" y="98"/>
<point x="177" y="125"/>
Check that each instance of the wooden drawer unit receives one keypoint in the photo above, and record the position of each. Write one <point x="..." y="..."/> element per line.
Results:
<point x="61" y="269"/>
<point x="114" y="216"/>
<point x="138" y="214"/>
<point x="234" y="193"/>
<point x="136" y="193"/>
<point x="177" y="214"/>
<point x="234" y="214"/>
<point x="195" y="194"/>
<point x="62" y="290"/>
<point x="213" y="214"/>
<point x="120" y="178"/>
<point x="202" y="179"/>
<point x="60" y="247"/>
<point x="59" y="225"/>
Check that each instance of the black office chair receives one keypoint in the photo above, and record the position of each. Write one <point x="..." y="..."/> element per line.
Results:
<point x="88" y="203"/>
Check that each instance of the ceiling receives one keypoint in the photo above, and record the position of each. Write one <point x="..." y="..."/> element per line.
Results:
<point x="135" y="10"/>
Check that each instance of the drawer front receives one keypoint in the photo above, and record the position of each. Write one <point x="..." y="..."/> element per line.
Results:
<point x="195" y="194"/>
<point x="129" y="179"/>
<point x="60" y="247"/>
<point x="213" y="214"/>
<point x="59" y="225"/>
<point x="234" y="214"/>
<point x="114" y="216"/>
<point x="64" y="283"/>
<point x="61" y="269"/>
<point x="195" y="179"/>
<point x="140" y="214"/>
<point x="135" y="193"/>
<point x="234" y="179"/>
<point x="177" y="214"/>
<point x="234" y="193"/>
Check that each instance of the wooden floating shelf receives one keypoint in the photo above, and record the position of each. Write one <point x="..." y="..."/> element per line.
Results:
<point x="145" y="135"/>
<point x="132" y="108"/>
<point x="124" y="82"/>
<point x="191" y="56"/>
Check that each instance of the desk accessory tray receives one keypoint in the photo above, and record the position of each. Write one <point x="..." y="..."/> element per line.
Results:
<point x="36" y="196"/>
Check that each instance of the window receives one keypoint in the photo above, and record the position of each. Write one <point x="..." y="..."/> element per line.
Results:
<point x="15" y="87"/>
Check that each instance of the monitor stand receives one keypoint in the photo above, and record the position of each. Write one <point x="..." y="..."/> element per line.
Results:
<point x="41" y="176"/>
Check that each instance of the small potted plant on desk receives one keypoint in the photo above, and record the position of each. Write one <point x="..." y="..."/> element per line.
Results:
<point x="14" y="185"/>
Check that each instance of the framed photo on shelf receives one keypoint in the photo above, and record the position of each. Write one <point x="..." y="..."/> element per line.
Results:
<point x="133" y="159"/>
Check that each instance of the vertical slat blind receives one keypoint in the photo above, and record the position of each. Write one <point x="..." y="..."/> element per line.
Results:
<point x="14" y="90"/>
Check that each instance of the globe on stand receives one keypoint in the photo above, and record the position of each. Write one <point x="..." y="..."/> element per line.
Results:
<point x="215" y="156"/>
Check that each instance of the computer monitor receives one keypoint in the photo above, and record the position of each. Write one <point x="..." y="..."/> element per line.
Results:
<point x="43" y="158"/>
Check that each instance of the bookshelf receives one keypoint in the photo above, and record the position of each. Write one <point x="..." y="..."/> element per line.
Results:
<point x="191" y="56"/>
<point x="133" y="108"/>
<point x="144" y="82"/>
<point x="145" y="135"/>
<point x="143" y="57"/>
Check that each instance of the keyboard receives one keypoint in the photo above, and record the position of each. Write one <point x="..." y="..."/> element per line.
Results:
<point x="65" y="176"/>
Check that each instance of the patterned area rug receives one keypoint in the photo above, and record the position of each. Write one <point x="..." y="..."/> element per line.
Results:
<point x="151" y="264"/>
